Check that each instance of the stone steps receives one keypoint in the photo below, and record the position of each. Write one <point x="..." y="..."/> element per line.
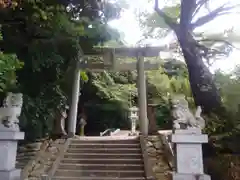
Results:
<point x="104" y="150"/>
<point x="97" y="178"/>
<point x="101" y="159"/>
<point x="116" y="141"/>
<point x="102" y="166"/>
<point x="100" y="173"/>
<point x="102" y="155"/>
<point x="98" y="145"/>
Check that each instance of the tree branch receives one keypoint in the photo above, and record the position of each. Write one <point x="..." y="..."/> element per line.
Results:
<point x="209" y="17"/>
<point x="199" y="6"/>
<point x="219" y="41"/>
<point x="169" y="21"/>
<point x="211" y="53"/>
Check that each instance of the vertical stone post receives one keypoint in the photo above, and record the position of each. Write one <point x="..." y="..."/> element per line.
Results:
<point x="142" y="99"/>
<point x="9" y="136"/>
<point x="74" y="103"/>
<point x="134" y="118"/>
<point x="188" y="152"/>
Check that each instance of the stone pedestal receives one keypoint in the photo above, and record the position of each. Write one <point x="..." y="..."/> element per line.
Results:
<point x="8" y="153"/>
<point x="178" y="176"/>
<point x="188" y="154"/>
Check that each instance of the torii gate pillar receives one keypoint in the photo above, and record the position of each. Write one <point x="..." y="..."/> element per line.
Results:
<point x="74" y="103"/>
<point x="142" y="99"/>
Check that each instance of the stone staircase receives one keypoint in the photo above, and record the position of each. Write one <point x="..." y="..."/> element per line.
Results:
<point x="37" y="158"/>
<point x="101" y="158"/>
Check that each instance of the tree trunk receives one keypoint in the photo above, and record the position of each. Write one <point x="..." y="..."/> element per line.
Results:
<point x="203" y="88"/>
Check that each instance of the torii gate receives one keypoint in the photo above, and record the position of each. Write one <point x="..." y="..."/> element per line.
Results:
<point x="109" y="63"/>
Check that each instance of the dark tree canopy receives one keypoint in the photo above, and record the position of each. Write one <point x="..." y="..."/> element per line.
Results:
<point x="47" y="36"/>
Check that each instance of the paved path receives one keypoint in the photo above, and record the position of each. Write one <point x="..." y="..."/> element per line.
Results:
<point x="124" y="133"/>
<point x="105" y="137"/>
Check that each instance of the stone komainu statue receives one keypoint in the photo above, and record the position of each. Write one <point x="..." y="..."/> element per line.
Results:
<point x="11" y="110"/>
<point x="182" y="116"/>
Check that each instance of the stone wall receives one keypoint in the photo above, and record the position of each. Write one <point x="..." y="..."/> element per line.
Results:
<point x="27" y="152"/>
<point x="156" y="156"/>
<point x="223" y="167"/>
<point x="41" y="157"/>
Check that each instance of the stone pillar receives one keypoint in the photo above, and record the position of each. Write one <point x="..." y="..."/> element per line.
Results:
<point x="142" y="99"/>
<point x="9" y="136"/>
<point x="74" y="103"/>
<point x="188" y="152"/>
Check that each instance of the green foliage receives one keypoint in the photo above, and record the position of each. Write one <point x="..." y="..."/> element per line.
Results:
<point x="8" y="66"/>
<point x="227" y="123"/>
<point x="9" y="63"/>
<point x="153" y="20"/>
<point x="37" y="122"/>
<point x="109" y="87"/>
<point x="170" y="79"/>
<point x="84" y="76"/>
<point x="48" y="37"/>
<point x="106" y="98"/>
<point x="229" y="85"/>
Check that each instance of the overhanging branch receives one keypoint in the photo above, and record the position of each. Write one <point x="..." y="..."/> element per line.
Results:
<point x="169" y="21"/>
<point x="219" y="41"/>
<point x="199" y="6"/>
<point x="211" y="52"/>
<point x="209" y="17"/>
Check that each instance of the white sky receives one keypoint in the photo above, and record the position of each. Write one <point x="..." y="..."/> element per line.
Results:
<point x="128" y="24"/>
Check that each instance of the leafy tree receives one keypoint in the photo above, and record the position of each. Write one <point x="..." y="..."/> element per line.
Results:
<point x="9" y="63"/>
<point x="182" y="17"/>
<point x="48" y="37"/>
<point x="228" y="84"/>
<point x="109" y="95"/>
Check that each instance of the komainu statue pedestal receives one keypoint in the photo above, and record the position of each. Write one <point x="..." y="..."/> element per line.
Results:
<point x="189" y="157"/>
<point x="8" y="153"/>
<point x="9" y="136"/>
